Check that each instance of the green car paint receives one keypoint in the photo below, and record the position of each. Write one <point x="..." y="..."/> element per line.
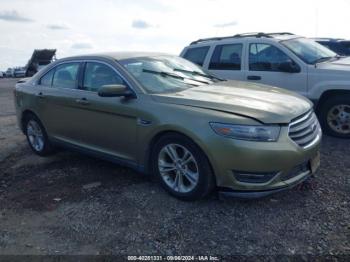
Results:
<point x="125" y="128"/>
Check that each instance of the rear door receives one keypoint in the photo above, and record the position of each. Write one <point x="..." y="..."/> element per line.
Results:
<point x="57" y="97"/>
<point x="226" y="61"/>
<point x="264" y="62"/>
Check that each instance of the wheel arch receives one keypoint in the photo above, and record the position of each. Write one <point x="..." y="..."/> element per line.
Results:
<point x="24" y="116"/>
<point x="328" y="94"/>
<point x="160" y="134"/>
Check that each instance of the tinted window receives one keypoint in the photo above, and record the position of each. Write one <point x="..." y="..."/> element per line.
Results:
<point x="197" y="55"/>
<point x="335" y="47"/>
<point x="346" y="45"/>
<point x="46" y="80"/>
<point x="97" y="75"/>
<point x="226" y="57"/>
<point x="66" y="76"/>
<point x="265" y="57"/>
<point x="341" y="48"/>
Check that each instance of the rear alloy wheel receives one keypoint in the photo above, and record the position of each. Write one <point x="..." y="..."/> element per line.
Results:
<point x="37" y="137"/>
<point x="182" y="168"/>
<point x="335" y="116"/>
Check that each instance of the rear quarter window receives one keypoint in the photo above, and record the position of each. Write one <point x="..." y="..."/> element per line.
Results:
<point x="46" y="80"/>
<point x="197" y="54"/>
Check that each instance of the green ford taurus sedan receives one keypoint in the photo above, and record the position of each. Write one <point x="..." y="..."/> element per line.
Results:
<point x="165" y="116"/>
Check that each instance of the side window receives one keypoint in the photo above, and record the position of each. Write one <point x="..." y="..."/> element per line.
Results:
<point x="46" y="80"/>
<point x="227" y="57"/>
<point x="97" y="75"/>
<point x="265" y="57"/>
<point x="66" y="76"/>
<point x="197" y="54"/>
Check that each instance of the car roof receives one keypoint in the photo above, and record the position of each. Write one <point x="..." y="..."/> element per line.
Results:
<point x="118" y="55"/>
<point x="277" y="36"/>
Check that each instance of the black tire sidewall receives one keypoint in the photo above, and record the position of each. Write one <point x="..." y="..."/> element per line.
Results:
<point x="47" y="149"/>
<point x="206" y="178"/>
<point x="324" y="110"/>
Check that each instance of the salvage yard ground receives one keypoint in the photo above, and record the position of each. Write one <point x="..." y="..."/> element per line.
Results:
<point x="73" y="204"/>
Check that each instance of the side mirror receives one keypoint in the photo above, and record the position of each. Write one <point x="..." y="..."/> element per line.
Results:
<point x="114" y="91"/>
<point x="289" y="67"/>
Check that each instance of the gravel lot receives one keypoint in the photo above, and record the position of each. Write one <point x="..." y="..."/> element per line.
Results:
<point x="72" y="204"/>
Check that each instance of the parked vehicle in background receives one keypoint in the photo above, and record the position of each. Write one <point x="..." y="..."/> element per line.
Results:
<point x="2" y="74"/>
<point x="19" y="72"/>
<point x="283" y="60"/>
<point x="339" y="46"/>
<point x="163" y="115"/>
<point x="39" y="59"/>
<point x="9" y="72"/>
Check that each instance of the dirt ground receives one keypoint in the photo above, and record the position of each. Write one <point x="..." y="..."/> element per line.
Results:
<point x="73" y="204"/>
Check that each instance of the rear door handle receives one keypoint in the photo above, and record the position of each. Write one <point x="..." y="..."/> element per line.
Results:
<point x="254" y="77"/>
<point x="82" y="101"/>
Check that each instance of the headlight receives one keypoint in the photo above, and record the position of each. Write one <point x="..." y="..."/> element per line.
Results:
<point x="262" y="133"/>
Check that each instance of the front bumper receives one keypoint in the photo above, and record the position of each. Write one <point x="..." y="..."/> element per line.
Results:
<point x="258" y="194"/>
<point x="281" y="159"/>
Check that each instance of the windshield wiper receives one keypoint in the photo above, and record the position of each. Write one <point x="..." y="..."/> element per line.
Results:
<point x="164" y="74"/>
<point x="198" y="74"/>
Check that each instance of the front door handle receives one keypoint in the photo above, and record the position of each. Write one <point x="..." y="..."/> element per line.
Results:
<point x="254" y="77"/>
<point x="82" y="101"/>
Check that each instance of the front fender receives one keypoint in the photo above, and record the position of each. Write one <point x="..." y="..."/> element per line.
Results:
<point x="319" y="89"/>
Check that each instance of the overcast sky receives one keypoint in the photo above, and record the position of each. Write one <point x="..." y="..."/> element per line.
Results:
<point x="88" y="26"/>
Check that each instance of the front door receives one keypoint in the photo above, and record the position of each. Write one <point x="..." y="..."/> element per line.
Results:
<point x="264" y="66"/>
<point x="107" y="124"/>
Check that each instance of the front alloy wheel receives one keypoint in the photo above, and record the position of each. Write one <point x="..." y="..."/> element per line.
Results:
<point x="178" y="168"/>
<point x="181" y="167"/>
<point x="338" y="119"/>
<point x="334" y="116"/>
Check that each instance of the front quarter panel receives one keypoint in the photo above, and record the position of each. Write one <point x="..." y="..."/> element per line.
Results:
<point x="187" y="120"/>
<point x="224" y="154"/>
<point x="322" y="80"/>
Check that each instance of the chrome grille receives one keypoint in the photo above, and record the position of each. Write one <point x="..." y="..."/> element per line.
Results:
<point x="305" y="129"/>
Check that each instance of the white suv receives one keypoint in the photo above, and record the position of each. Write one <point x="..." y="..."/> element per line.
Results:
<point x="287" y="61"/>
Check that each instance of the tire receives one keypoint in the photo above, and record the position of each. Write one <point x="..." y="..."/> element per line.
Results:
<point x="186" y="181"/>
<point x="36" y="136"/>
<point x="334" y="116"/>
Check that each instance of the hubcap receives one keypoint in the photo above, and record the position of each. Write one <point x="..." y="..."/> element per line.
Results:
<point x="35" y="135"/>
<point x="338" y="119"/>
<point x="178" y="168"/>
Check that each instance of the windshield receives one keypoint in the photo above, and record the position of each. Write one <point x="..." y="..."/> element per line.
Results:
<point x="166" y="74"/>
<point x="308" y="50"/>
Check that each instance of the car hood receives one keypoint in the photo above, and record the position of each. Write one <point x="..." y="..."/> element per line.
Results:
<point x="342" y="64"/>
<point x="264" y="103"/>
